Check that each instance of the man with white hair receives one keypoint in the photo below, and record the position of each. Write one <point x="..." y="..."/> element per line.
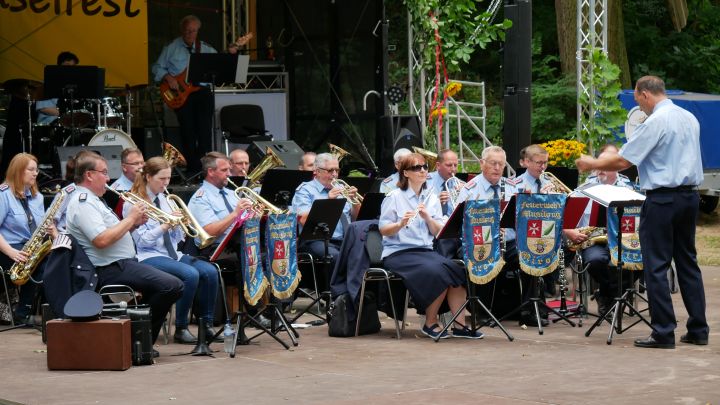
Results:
<point x="390" y="182"/>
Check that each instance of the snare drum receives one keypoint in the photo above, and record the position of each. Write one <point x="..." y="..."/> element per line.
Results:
<point x="112" y="136"/>
<point x="81" y="115"/>
<point x="112" y="115"/>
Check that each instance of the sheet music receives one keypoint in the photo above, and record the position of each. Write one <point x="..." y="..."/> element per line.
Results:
<point x="607" y="194"/>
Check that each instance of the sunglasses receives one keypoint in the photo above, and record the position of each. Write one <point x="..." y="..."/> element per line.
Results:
<point x="417" y="168"/>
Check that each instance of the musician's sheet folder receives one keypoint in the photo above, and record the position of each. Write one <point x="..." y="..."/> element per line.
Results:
<point x="609" y="195"/>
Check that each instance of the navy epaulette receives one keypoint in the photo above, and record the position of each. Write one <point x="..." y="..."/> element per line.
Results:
<point x="514" y="181"/>
<point x="83" y="197"/>
<point x="4" y="187"/>
<point x="69" y="188"/>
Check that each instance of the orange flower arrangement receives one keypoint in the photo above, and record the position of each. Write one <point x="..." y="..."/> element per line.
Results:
<point x="563" y="152"/>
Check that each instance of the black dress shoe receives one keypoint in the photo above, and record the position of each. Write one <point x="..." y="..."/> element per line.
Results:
<point x="263" y="320"/>
<point x="651" y="343"/>
<point x="184" y="337"/>
<point x="156" y="353"/>
<point x="688" y="338"/>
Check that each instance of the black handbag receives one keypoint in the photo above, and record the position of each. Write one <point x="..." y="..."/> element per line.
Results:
<point x="339" y="322"/>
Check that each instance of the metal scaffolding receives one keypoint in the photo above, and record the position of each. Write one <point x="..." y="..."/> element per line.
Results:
<point x="591" y="34"/>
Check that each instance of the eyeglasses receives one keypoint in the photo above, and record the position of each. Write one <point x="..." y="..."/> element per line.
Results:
<point x="103" y="172"/>
<point x="540" y="162"/>
<point x="329" y="170"/>
<point x="418" y="168"/>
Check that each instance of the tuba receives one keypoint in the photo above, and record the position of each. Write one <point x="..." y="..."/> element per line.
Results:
<point x="189" y="224"/>
<point x="344" y="190"/>
<point x="337" y="152"/>
<point x="260" y="205"/>
<point x="558" y="186"/>
<point x="430" y="157"/>
<point x="151" y="210"/>
<point x="270" y="161"/>
<point x="37" y="247"/>
<point x="173" y="155"/>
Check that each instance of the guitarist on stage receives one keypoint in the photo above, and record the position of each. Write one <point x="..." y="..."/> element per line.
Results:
<point x="193" y="104"/>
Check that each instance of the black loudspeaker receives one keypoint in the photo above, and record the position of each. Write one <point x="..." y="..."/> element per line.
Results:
<point x="288" y="151"/>
<point x="111" y="153"/>
<point x="517" y="64"/>
<point x="404" y="131"/>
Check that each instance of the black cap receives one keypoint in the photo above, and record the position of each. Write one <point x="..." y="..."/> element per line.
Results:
<point x="85" y="305"/>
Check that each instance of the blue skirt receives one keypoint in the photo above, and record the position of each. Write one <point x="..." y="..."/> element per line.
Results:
<point x="426" y="274"/>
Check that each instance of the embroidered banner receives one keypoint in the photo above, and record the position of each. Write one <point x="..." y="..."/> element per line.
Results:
<point x="630" y="226"/>
<point x="539" y="229"/>
<point x="281" y="236"/>
<point x="481" y="240"/>
<point x="251" y="261"/>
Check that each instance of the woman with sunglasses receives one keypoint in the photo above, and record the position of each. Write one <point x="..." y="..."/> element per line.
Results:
<point x="21" y="211"/>
<point x="410" y="218"/>
<point x="157" y="246"/>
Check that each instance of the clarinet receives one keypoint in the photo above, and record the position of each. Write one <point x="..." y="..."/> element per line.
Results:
<point x="563" y="280"/>
<point x="503" y="243"/>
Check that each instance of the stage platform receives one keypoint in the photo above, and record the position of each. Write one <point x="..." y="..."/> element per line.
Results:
<point x="560" y="367"/>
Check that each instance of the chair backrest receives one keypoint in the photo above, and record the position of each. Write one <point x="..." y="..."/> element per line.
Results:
<point x="242" y="120"/>
<point x="374" y="247"/>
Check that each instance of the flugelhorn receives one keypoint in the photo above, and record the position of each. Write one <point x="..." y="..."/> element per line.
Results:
<point x="558" y="186"/>
<point x="345" y="191"/>
<point x="260" y="205"/>
<point x="270" y="161"/>
<point x="189" y="224"/>
<point x="430" y="157"/>
<point x="453" y="186"/>
<point x="173" y="155"/>
<point x="337" y="152"/>
<point x="150" y="209"/>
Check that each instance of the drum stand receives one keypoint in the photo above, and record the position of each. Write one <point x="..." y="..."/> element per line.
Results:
<point x="622" y="300"/>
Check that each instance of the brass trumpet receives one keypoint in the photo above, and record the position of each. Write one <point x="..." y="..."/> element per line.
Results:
<point x="189" y="224"/>
<point x="345" y="191"/>
<point x="260" y="205"/>
<point x="150" y="209"/>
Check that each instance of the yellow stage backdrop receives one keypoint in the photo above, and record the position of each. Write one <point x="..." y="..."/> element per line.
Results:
<point x="111" y="34"/>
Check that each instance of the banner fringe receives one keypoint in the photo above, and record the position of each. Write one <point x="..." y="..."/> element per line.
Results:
<point x="490" y="276"/>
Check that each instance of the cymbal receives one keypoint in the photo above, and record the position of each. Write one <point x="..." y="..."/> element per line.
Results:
<point x="24" y="88"/>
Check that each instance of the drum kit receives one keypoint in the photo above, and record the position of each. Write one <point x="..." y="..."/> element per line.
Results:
<point x="81" y="122"/>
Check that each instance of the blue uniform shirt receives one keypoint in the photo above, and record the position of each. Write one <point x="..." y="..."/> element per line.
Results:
<point x="175" y="57"/>
<point x="528" y="183"/>
<point x="415" y="235"/>
<point x="666" y="148"/>
<point x="310" y="191"/>
<point x="87" y="217"/>
<point x="42" y="117"/>
<point x="620" y="181"/>
<point x="207" y="205"/>
<point x="14" y="225"/>
<point x="435" y="182"/>
<point x="122" y="184"/>
<point x="479" y="188"/>
<point x="390" y="183"/>
<point x="148" y="237"/>
<point x="61" y="214"/>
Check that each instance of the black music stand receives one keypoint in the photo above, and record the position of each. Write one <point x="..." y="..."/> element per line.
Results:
<point x="371" y="205"/>
<point x="618" y="197"/>
<point x="279" y="185"/>
<point x="535" y="302"/>
<point x="320" y="225"/>
<point x="72" y="83"/>
<point x="453" y="230"/>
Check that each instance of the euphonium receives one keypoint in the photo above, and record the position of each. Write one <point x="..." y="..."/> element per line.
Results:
<point x="189" y="224"/>
<point x="345" y="191"/>
<point x="150" y="209"/>
<point x="37" y="247"/>
<point x="558" y="186"/>
<point x="270" y="161"/>
<point x="596" y="236"/>
<point x="337" y="152"/>
<point x="173" y="156"/>
<point x="260" y="205"/>
<point x="430" y="157"/>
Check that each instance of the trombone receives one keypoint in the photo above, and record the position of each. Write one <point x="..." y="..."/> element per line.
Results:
<point x="260" y="205"/>
<point x="150" y="209"/>
<point x="345" y="191"/>
<point x="189" y="224"/>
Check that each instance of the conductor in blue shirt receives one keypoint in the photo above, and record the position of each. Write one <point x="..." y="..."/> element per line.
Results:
<point x="666" y="150"/>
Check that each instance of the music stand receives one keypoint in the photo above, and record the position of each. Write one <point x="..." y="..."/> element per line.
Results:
<point x="371" y="205"/>
<point x="217" y="69"/>
<point x="453" y="230"/>
<point x="618" y="197"/>
<point x="508" y="221"/>
<point x="320" y="225"/>
<point x="74" y="82"/>
<point x="279" y="185"/>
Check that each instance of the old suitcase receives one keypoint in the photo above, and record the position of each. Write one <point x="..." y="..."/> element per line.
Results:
<point x="96" y="345"/>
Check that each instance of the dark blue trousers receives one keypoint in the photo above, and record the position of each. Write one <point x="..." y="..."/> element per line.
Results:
<point x="667" y="232"/>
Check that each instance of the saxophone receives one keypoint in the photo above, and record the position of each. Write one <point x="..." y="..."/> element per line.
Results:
<point x="596" y="236"/>
<point x="38" y="246"/>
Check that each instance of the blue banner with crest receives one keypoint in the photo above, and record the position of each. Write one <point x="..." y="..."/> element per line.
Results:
<point x="539" y="229"/>
<point x="481" y="240"/>
<point x="281" y="236"/>
<point x="629" y="224"/>
<point x="251" y="261"/>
